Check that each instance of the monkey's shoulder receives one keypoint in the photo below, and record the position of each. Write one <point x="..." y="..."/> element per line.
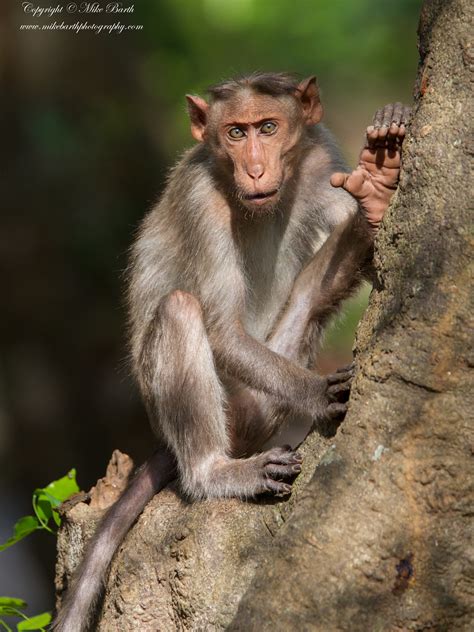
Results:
<point x="193" y="166"/>
<point x="318" y="198"/>
<point x="192" y="199"/>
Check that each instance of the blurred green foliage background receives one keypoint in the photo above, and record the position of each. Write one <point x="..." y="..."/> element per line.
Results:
<point x="90" y="124"/>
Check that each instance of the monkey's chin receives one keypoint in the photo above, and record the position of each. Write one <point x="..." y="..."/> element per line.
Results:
<point x="262" y="203"/>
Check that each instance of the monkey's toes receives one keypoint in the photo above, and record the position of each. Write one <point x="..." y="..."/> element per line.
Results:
<point x="277" y="488"/>
<point x="281" y="463"/>
<point x="277" y="471"/>
<point x="282" y="456"/>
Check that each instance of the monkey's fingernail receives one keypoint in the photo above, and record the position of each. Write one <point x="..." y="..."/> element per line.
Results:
<point x="283" y="490"/>
<point x="298" y="457"/>
<point x="296" y="468"/>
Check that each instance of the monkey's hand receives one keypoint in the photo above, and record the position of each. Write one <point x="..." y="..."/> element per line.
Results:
<point x="375" y="179"/>
<point x="338" y="388"/>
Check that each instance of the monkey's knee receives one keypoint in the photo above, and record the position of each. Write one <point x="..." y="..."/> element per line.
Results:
<point x="181" y="307"/>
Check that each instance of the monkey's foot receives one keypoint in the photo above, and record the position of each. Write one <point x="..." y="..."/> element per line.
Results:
<point x="375" y="179"/>
<point x="268" y="472"/>
<point x="277" y="464"/>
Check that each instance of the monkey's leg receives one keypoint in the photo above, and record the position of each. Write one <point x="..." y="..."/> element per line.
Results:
<point x="182" y="387"/>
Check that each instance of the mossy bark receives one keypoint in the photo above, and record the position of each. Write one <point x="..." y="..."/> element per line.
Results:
<point x="377" y="535"/>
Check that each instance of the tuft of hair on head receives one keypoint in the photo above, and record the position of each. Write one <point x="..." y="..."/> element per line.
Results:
<point x="274" y="84"/>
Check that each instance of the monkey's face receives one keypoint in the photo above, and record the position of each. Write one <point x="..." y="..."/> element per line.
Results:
<point x="254" y="139"/>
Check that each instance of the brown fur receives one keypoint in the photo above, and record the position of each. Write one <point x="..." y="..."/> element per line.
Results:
<point x="212" y="272"/>
<point x="233" y="276"/>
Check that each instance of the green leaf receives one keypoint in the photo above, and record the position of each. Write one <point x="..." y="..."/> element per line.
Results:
<point x="12" y="602"/>
<point x="56" y="518"/>
<point x="46" y="499"/>
<point x="42" y="506"/>
<point x="22" y="528"/>
<point x="60" y="490"/>
<point x="11" y="607"/>
<point x="38" y="622"/>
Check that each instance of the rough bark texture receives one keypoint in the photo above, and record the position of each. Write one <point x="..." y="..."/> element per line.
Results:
<point x="376" y="535"/>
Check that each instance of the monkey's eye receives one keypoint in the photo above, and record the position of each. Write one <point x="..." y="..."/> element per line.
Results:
<point x="268" y="128"/>
<point x="236" y="133"/>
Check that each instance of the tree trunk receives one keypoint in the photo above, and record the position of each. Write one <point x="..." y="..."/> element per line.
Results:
<point x="376" y="535"/>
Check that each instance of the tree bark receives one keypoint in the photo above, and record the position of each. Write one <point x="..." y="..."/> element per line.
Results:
<point x="376" y="535"/>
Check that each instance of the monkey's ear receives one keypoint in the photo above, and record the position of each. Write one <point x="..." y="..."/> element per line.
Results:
<point x="308" y="94"/>
<point x="197" y="109"/>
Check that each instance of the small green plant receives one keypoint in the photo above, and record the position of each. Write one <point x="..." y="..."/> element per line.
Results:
<point x="11" y="607"/>
<point x="45" y="502"/>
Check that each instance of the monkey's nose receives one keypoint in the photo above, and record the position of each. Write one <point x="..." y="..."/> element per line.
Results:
<point x="256" y="170"/>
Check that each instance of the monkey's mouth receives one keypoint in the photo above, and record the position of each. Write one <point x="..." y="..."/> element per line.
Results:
<point x="260" y="198"/>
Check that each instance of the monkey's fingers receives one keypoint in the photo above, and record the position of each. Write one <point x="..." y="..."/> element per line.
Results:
<point x="389" y="125"/>
<point x="338" y="179"/>
<point x="336" y="410"/>
<point x="346" y="367"/>
<point x="401" y="116"/>
<point x="394" y="125"/>
<point x="353" y="182"/>
<point x="391" y="139"/>
<point x="339" y="392"/>
<point x="342" y="374"/>
<point x="348" y="181"/>
<point x="338" y="378"/>
<point x="383" y="117"/>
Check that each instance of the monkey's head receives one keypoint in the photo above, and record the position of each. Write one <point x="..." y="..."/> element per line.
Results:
<point x="253" y="127"/>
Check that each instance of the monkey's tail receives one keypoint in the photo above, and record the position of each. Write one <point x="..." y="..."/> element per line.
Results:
<point x="88" y="580"/>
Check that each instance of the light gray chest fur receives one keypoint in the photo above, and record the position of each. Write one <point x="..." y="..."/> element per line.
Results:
<point x="273" y="253"/>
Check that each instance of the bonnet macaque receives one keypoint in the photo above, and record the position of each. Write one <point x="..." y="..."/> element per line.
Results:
<point x="257" y="238"/>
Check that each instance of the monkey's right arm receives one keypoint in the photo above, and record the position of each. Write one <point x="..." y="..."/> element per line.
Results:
<point x="266" y="370"/>
<point x="332" y="274"/>
<point x="346" y="256"/>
